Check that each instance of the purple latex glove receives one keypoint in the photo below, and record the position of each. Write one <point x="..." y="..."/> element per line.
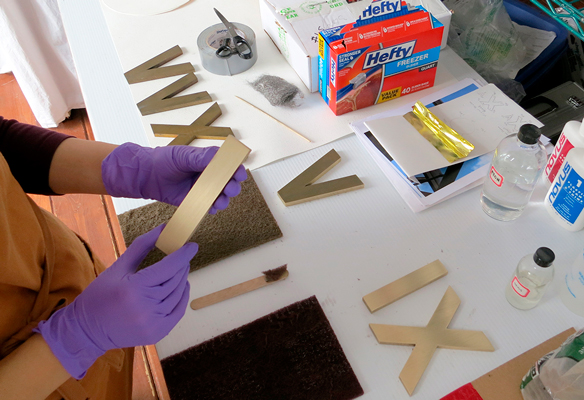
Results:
<point x="163" y="173"/>
<point x="121" y="307"/>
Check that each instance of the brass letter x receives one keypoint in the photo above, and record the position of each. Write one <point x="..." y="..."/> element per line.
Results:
<point x="199" y="129"/>
<point x="426" y="340"/>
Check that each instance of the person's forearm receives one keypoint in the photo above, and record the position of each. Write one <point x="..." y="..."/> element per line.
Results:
<point x="31" y="371"/>
<point x="76" y="166"/>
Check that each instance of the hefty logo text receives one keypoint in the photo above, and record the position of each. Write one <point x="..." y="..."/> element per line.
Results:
<point x="560" y="179"/>
<point x="333" y="72"/>
<point x="389" y="54"/>
<point x="381" y="8"/>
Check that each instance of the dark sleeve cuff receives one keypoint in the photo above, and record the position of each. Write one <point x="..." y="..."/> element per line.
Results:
<point x="29" y="151"/>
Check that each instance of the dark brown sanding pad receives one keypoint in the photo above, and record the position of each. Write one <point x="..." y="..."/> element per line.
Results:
<point x="246" y="223"/>
<point x="291" y="354"/>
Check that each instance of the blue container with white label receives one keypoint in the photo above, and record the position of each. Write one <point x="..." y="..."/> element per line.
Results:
<point x="565" y="198"/>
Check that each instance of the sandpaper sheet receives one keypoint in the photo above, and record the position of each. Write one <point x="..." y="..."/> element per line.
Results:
<point x="291" y="354"/>
<point x="246" y="223"/>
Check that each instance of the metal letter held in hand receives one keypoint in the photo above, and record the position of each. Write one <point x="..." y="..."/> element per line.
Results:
<point x="404" y="286"/>
<point x="199" y="129"/>
<point x="202" y="195"/>
<point x="151" y="70"/>
<point x="302" y="188"/>
<point x="427" y="340"/>
<point x="202" y="132"/>
<point x="205" y="119"/>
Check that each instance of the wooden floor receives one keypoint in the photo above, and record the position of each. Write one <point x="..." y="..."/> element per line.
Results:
<point x="90" y="216"/>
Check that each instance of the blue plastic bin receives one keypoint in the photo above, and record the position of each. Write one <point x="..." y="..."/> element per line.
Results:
<point x="525" y="14"/>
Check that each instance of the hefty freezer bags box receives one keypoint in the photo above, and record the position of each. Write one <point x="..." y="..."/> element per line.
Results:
<point x="390" y="51"/>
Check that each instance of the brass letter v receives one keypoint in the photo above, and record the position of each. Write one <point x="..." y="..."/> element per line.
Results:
<point x="302" y="188"/>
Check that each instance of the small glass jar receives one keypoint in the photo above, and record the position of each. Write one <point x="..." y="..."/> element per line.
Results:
<point x="532" y="276"/>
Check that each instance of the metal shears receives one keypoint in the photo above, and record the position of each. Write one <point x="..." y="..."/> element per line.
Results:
<point x="240" y="45"/>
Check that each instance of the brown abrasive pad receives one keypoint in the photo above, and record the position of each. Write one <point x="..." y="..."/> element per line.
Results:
<point x="290" y="354"/>
<point x="246" y="223"/>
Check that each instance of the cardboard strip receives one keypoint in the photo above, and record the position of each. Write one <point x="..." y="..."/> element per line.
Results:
<point x="202" y="195"/>
<point x="507" y="377"/>
<point x="151" y="70"/>
<point x="405" y="285"/>
<point x="302" y="188"/>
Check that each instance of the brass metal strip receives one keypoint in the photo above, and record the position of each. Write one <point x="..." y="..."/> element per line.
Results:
<point x="202" y="195"/>
<point x="151" y="70"/>
<point x="404" y="285"/>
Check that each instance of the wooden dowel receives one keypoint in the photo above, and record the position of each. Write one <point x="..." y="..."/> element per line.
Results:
<point x="278" y="121"/>
<point x="234" y="291"/>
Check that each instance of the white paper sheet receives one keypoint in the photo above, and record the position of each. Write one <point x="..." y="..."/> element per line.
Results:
<point x="412" y="197"/>
<point x="409" y="195"/>
<point x="483" y="117"/>
<point x="144" y="7"/>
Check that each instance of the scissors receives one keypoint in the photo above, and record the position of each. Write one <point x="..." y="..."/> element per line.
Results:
<point x="242" y="48"/>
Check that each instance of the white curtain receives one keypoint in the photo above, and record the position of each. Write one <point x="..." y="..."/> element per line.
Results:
<point x="34" y="46"/>
<point x="4" y="64"/>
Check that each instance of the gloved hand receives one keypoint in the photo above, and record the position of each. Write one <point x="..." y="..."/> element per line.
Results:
<point x="163" y="173"/>
<point x="121" y="307"/>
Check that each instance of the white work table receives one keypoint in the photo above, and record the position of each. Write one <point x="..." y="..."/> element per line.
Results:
<point x="342" y="247"/>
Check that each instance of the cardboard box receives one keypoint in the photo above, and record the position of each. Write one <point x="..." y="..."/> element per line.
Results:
<point x="503" y="382"/>
<point x="391" y="51"/>
<point x="303" y="61"/>
<point x="299" y="44"/>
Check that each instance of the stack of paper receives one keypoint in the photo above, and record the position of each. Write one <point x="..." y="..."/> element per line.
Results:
<point x="422" y="176"/>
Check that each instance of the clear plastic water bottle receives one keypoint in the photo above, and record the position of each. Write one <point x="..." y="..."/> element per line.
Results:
<point x="517" y="165"/>
<point x="572" y="287"/>
<point x="531" y="278"/>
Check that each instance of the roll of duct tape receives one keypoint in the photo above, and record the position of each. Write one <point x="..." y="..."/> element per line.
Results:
<point x="214" y="37"/>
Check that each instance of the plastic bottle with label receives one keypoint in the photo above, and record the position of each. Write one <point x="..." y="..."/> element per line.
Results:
<point x="564" y="200"/>
<point x="531" y="278"/>
<point x="516" y="167"/>
<point x="572" y="288"/>
<point x="572" y="136"/>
